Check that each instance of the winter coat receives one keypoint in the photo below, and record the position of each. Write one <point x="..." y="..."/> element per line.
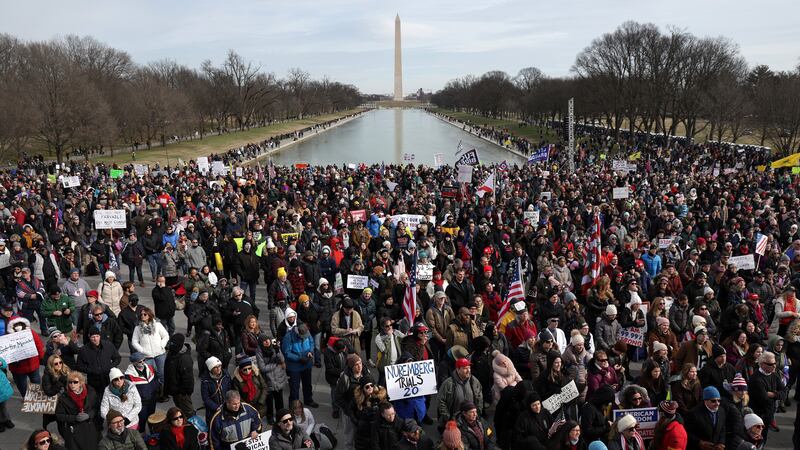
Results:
<point x="338" y="328"/>
<point x="178" y="373"/>
<point x="293" y="441"/>
<point x="674" y="437"/>
<point x="366" y="309"/>
<point x="6" y="391"/>
<point x="273" y="371"/>
<point x="226" y="429"/>
<point x="164" y="302"/>
<point x="169" y="263"/>
<point x="470" y="439"/>
<point x="133" y="254"/>
<point x="439" y="321"/>
<point x="146" y="384"/>
<point x="210" y="343"/>
<point x="128" y="440"/>
<point x="606" y="333"/>
<point x="96" y="362"/>
<point x="598" y="377"/>
<point x="129" y="408"/>
<point x="335" y="363"/>
<point x="699" y="427"/>
<point x="62" y="322"/>
<point x="111" y="294"/>
<point x="213" y="392"/>
<point x="386" y="434"/>
<point x="530" y="424"/>
<point x="459" y="334"/>
<point x="78" y="435"/>
<point x="166" y="440"/>
<point x="295" y="348"/>
<point x="152" y="344"/>
<point x="447" y="407"/>
<point x="688" y="353"/>
<point x="109" y="330"/>
<point x="194" y="257"/>
<point x="28" y="365"/>
<point x="504" y="375"/>
<point x="346" y="385"/>
<point x="260" y="399"/>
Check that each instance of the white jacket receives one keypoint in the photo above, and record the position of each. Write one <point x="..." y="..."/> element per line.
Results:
<point x="151" y="345"/>
<point x="130" y="408"/>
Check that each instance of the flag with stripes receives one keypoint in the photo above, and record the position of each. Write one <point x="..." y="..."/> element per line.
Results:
<point x="558" y="422"/>
<point x="761" y="244"/>
<point x="592" y="268"/>
<point x="410" y="297"/>
<point x="271" y="170"/>
<point x="516" y="288"/>
<point x="486" y="187"/>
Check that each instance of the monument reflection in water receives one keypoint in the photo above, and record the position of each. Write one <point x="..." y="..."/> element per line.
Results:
<point x="390" y="136"/>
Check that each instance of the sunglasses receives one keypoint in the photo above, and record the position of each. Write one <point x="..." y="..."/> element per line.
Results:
<point x="44" y="441"/>
<point x="287" y="420"/>
<point x="246" y="369"/>
<point x="636" y="399"/>
<point x="602" y="360"/>
<point x="177" y="418"/>
<point x="74" y="382"/>
<point x="97" y="315"/>
<point x="369" y="386"/>
<point x="57" y="363"/>
<point x="768" y="364"/>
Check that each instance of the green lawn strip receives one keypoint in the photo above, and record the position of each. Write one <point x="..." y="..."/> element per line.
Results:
<point x="216" y="144"/>
<point x="531" y="132"/>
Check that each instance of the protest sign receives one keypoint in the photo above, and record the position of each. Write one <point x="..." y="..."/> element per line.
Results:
<point x="645" y="417"/>
<point x="410" y="380"/>
<point x="286" y="236"/>
<point x="547" y="195"/>
<point x="567" y="394"/>
<point x="425" y="272"/>
<point x="464" y="174"/>
<point x="621" y="192"/>
<point x="202" y="164"/>
<point x="218" y="168"/>
<point x="37" y="402"/>
<point x="623" y="166"/>
<point x="409" y="157"/>
<point x="140" y="170"/>
<point x="359" y="214"/>
<point x="449" y="191"/>
<point x="239" y="172"/>
<point x="664" y="243"/>
<point x="795" y="170"/>
<point x="261" y="442"/>
<point x="532" y="216"/>
<point x="106" y="219"/>
<point x="632" y="336"/>
<point x="73" y="181"/>
<point x="116" y="173"/>
<point x="357" y="281"/>
<point x="18" y="346"/>
<point x="469" y="158"/>
<point x="411" y="220"/>
<point x="390" y="185"/>
<point x="744" y="262"/>
<point x="438" y="159"/>
<point x="338" y="285"/>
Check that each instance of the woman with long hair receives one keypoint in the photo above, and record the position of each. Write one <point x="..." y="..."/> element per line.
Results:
<point x="669" y="433"/>
<point x="43" y="440"/>
<point x="365" y="411"/>
<point x="122" y="396"/>
<point x="687" y="390"/>
<point x="652" y="380"/>
<point x="76" y="413"/>
<point x="568" y="437"/>
<point x="600" y="296"/>
<point x="249" y="337"/>
<point x="748" y="365"/>
<point x="150" y="338"/>
<point x="54" y="382"/>
<point x="248" y="381"/>
<point x="657" y="309"/>
<point x="177" y="433"/>
<point x="736" y="346"/>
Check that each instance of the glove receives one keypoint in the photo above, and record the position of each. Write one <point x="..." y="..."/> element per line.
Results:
<point x="705" y="445"/>
<point x="82" y="417"/>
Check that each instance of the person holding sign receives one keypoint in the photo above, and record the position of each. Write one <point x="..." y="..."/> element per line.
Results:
<point x="624" y="435"/>
<point x="285" y="436"/>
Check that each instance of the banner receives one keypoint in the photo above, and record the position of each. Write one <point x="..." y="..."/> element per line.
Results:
<point x="664" y="243"/>
<point x="567" y="394"/>
<point x="412" y="220"/>
<point x="73" y="181"/>
<point x="140" y="170"/>
<point x="37" y="402"/>
<point x="218" y="168"/>
<point x="469" y="158"/>
<point x="464" y="174"/>
<point x="18" y="346"/>
<point x="540" y="155"/>
<point x="261" y="442"/>
<point x="632" y="336"/>
<point x="357" y="281"/>
<point x="645" y="417"/>
<point x="359" y="214"/>
<point x="623" y="166"/>
<point x="414" y="379"/>
<point x="744" y="262"/>
<point x="106" y="219"/>
<point x="621" y="192"/>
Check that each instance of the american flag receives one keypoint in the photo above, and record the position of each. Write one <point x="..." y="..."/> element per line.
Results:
<point x="591" y="271"/>
<point x="557" y="423"/>
<point x="271" y="170"/>
<point x="761" y="244"/>
<point x="516" y="289"/>
<point x="410" y="299"/>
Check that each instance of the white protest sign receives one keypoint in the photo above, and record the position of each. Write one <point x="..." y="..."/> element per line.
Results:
<point x="202" y="164"/>
<point x="140" y="170"/>
<point x="621" y="192"/>
<point x="409" y="156"/>
<point x="623" y="166"/>
<point x="18" y="346"/>
<point x="105" y="219"/>
<point x="632" y="336"/>
<point x="645" y="417"/>
<point x="567" y="394"/>
<point x="664" y="243"/>
<point x="261" y="442"/>
<point x="532" y="216"/>
<point x="425" y="272"/>
<point x="239" y="172"/>
<point x="357" y="281"/>
<point x="547" y="195"/>
<point x="464" y="174"/>
<point x="410" y="380"/>
<point x="744" y="262"/>
<point x="411" y="220"/>
<point x="391" y="185"/>
<point x="37" y="402"/>
<point x="73" y="181"/>
<point x="338" y="285"/>
<point x="218" y="168"/>
<point x="438" y="159"/>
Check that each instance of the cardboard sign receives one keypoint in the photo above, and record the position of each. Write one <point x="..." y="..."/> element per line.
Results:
<point x="464" y="174"/>
<point x="567" y="394"/>
<point x="218" y="168"/>
<point x="632" y="336"/>
<point x="409" y="380"/>
<point x="69" y="182"/>
<point x="239" y="172"/>
<point x="645" y="417"/>
<point x="469" y="158"/>
<point x="106" y="219"/>
<point x="411" y="220"/>
<point x="202" y="164"/>
<point x="744" y="262"/>
<point x="37" y="402"/>
<point x="338" y="285"/>
<point x="532" y="216"/>
<point x="357" y="281"/>
<point x="259" y="443"/>
<point x="360" y="214"/>
<point x="622" y="192"/>
<point x="18" y="346"/>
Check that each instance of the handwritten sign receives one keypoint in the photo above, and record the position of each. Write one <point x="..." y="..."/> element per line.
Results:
<point x="37" y="402"/>
<point x="338" y="285"/>
<point x="744" y="262"/>
<point x="409" y="380"/>
<point x="567" y="394"/>
<point x="621" y="192"/>
<point x="547" y="195"/>
<point x="645" y="417"/>
<point x="261" y="442"/>
<point x="73" y="181"/>
<point x="106" y="219"/>
<point x="438" y="159"/>
<point x="359" y="214"/>
<point x="218" y="168"/>
<point x="632" y="336"/>
<point x="140" y="170"/>
<point x="411" y="220"/>
<point x="464" y="174"/>
<point x="202" y="164"/>
<point x="425" y="272"/>
<point x="664" y="243"/>
<point x="18" y="346"/>
<point x="531" y="216"/>
<point x="357" y="281"/>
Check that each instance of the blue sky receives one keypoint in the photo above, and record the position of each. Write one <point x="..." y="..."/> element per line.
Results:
<point x="352" y="40"/>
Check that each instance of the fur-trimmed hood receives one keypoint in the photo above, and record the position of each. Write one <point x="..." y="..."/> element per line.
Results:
<point x="378" y="396"/>
<point x="15" y="321"/>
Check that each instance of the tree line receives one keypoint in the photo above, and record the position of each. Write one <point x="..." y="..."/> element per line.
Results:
<point x="78" y="94"/>
<point x="640" y="78"/>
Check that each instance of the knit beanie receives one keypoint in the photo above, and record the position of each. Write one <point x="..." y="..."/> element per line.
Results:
<point x="451" y="438"/>
<point x="112" y="414"/>
<point x="597" y="445"/>
<point x="752" y="419"/>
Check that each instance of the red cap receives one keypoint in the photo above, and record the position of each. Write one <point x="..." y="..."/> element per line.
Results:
<point x="701" y="241"/>
<point x="487" y="268"/>
<point x="753" y="297"/>
<point x="93" y="293"/>
<point x="462" y="362"/>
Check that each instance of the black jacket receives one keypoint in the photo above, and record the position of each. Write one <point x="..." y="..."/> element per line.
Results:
<point x="385" y="434"/>
<point x="470" y="439"/>
<point x="166" y="440"/>
<point x="96" y="362"/>
<point x="109" y="331"/>
<point x="209" y="344"/>
<point x="78" y="434"/>
<point x="164" y="301"/>
<point x="699" y="427"/>
<point x="178" y="373"/>
<point x="759" y="386"/>
<point x="594" y="425"/>
<point x="460" y="294"/>
<point x="530" y="424"/>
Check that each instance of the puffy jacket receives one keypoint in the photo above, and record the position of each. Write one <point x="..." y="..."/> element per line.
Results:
<point x="130" y="408"/>
<point x="470" y="439"/>
<point x="128" y="440"/>
<point x="111" y="294"/>
<point x="152" y="344"/>
<point x="447" y="398"/>
<point x="606" y="333"/>
<point x="146" y="384"/>
<point x="164" y="301"/>
<point x="6" y="391"/>
<point x="169" y="262"/>
<point x="178" y="373"/>
<point x="31" y="364"/>
<point x="272" y="367"/>
<point x="292" y="441"/>
<point x="226" y="429"/>
<point x="63" y="322"/>
<point x="213" y="392"/>
<point x="295" y="349"/>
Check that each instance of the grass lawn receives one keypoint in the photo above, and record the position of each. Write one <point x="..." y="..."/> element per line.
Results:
<point x="532" y="132"/>
<point x="215" y="144"/>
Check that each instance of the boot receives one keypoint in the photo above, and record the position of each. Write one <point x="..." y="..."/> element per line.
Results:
<point x="162" y="397"/>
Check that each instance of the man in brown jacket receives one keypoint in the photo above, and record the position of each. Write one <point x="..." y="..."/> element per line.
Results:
<point x="438" y="318"/>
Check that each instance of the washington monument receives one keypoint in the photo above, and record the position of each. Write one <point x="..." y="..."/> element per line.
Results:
<point x="398" y="62"/>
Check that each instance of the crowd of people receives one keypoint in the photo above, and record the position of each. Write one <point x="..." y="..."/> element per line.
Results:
<point x="503" y="304"/>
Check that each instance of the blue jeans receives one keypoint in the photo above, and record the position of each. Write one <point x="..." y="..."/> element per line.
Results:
<point x="295" y="378"/>
<point x="169" y="324"/>
<point x="317" y="353"/>
<point x="154" y="261"/>
<point x="158" y="363"/>
<point x="21" y="380"/>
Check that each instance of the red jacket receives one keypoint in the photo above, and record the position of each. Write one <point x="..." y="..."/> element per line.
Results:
<point x="674" y="437"/>
<point x="31" y="364"/>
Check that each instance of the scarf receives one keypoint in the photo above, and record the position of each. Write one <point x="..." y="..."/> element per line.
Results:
<point x="249" y="387"/>
<point x="179" y="437"/>
<point x="635" y="444"/>
<point x="122" y="392"/>
<point x="79" y="399"/>
<point x="148" y="328"/>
